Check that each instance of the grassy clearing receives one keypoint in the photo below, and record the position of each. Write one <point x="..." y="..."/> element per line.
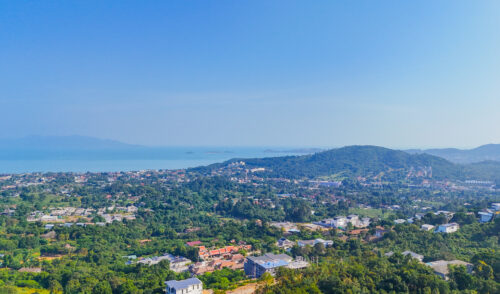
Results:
<point x="369" y="212"/>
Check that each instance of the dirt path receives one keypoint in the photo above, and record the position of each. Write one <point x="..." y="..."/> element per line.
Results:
<point x="247" y="289"/>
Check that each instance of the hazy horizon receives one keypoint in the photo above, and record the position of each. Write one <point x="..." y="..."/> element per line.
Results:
<point x="247" y="73"/>
<point x="138" y="144"/>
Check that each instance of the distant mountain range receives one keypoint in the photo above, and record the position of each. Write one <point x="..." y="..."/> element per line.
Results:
<point x="62" y="143"/>
<point x="482" y="153"/>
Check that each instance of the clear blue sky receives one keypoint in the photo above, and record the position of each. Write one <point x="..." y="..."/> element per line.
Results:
<point x="290" y="73"/>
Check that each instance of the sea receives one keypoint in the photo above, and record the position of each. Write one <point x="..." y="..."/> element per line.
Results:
<point x="80" y="161"/>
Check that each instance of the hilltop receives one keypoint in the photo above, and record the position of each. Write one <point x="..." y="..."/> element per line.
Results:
<point x="354" y="161"/>
<point x="486" y="152"/>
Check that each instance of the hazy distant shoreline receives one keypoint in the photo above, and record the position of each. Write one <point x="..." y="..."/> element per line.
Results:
<point x="110" y="160"/>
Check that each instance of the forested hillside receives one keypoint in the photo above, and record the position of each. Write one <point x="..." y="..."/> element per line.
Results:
<point x="481" y="153"/>
<point x="365" y="161"/>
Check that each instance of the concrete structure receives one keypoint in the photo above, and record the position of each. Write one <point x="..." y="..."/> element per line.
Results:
<point x="448" y="228"/>
<point x="340" y="222"/>
<point x="441" y="269"/>
<point x="414" y="255"/>
<point x="365" y="222"/>
<point x="256" y="266"/>
<point x="285" y="243"/>
<point x="449" y="215"/>
<point x="485" y="216"/>
<point x="495" y="206"/>
<point x="188" y="286"/>
<point x="427" y="227"/>
<point x="303" y="243"/>
<point x="178" y="264"/>
<point x="353" y="219"/>
<point x="328" y="223"/>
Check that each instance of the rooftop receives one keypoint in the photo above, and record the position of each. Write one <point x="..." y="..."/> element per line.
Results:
<point x="441" y="266"/>
<point x="182" y="284"/>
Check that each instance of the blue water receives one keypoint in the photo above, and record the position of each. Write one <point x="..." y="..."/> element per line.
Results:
<point x="23" y="161"/>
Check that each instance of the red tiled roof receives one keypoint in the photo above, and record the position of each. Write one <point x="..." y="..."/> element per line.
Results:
<point x="193" y="243"/>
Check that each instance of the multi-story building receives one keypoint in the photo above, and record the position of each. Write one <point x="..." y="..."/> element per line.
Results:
<point x="485" y="216"/>
<point x="256" y="266"/>
<point x="188" y="286"/>
<point x="448" y="228"/>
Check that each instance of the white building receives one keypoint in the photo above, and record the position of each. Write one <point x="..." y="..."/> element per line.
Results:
<point x="399" y="221"/>
<point x="414" y="255"/>
<point x="285" y="243"/>
<point x="353" y="219"/>
<point x="427" y="227"/>
<point x="495" y="206"/>
<point x="188" y="286"/>
<point x="337" y="222"/>
<point x="303" y="243"/>
<point x="340" y="221"/>
<point x="448" y="228"/>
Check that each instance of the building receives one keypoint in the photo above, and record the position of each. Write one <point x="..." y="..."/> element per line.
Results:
<point x="256" y="266"/>
<point x="188" y="286"/>
<point x="448" y="228"/>
<point x="441" y="268"/>
<point x="495" y="206"/>
<point x="353" y="219"/>
<point x="365" y="222"/>
<point x="285" y="243"/>
<point x="380" y="232"/>
<point x="449" y="215"/>
<point x="328" y="223"/>
<point x="399" y="221"/>
<point x="340" y="222"/>
<point x="414" y="255"/>
<point x="427" y="227"/>
<point x="178" y="264"/>
<point x="485" y="216"/>
<point x="303" y="243"/>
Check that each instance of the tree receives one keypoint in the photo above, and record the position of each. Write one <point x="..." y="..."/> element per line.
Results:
<point x="103" y="287"/>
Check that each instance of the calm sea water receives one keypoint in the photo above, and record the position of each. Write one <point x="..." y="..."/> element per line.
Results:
<point x="130" y="160"/>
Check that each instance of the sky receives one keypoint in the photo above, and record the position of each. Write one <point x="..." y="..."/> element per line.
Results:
<point x="399" y="74"/>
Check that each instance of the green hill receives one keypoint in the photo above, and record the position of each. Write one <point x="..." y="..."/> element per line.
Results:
<point x="365" y="161"/>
